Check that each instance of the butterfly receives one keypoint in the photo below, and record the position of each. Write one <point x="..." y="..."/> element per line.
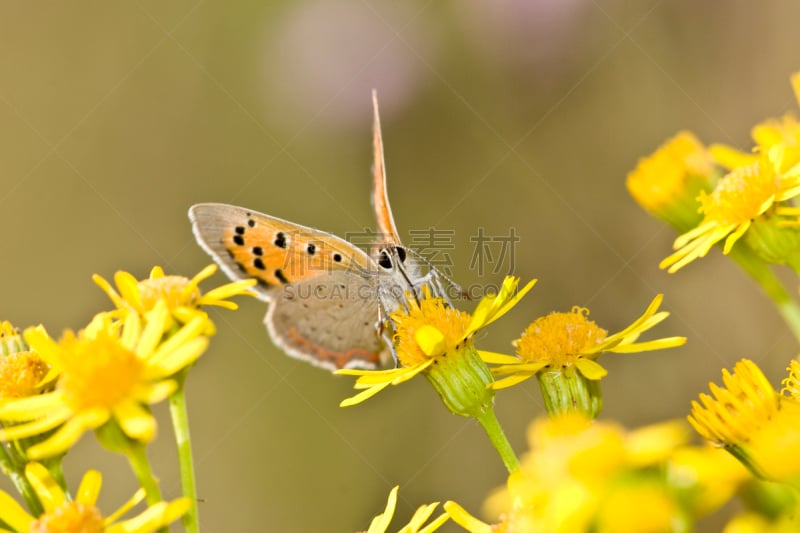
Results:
<point x="329" y="301"/>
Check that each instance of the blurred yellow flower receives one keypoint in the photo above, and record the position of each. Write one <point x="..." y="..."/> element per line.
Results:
<point x="667" y="182"/>
<point x="81" y="515"/>
<point x="109" y="370"/>
<point x="585" y="476"/>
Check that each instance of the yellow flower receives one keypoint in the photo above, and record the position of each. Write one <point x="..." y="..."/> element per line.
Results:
<point x="752" y="522"/>
<point x="666" y="183"/>
<point x="22" y="372"/>
<point x="707" y="477"/>
<point x="81" y="515"/>
<point x="380" y="524"/>
<point x="432" y="334"/>
<point x="742" y="196"/>
<point x="753" y="422"/>
<point x="109" y="370"/>
<point x="584" y="476"/>
<point x="182" y="295"/>
<point x="562" y="340"/>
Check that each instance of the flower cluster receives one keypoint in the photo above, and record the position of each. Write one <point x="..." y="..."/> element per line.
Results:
<point x="103" y="377"/>
<point x="740" y="197"/>
<point x="594" y="476"/>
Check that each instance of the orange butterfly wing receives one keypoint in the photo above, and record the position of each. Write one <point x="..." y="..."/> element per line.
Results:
<point x="248" y="244"/>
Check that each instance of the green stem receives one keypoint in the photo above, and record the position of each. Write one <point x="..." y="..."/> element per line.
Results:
<point x="771" y="285"/>
<point x="16" y="473"/>
<point x="137" y="457"/>
<point x="180" y="424"/>
<point x="498" y="438"/>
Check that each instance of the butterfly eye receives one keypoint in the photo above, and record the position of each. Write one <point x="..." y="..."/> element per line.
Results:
<point x="384" y="261"/>
<point x="401" y="253"/>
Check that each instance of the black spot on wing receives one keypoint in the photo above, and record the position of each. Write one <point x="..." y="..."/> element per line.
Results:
<point x="259" y="264"/>
<point x="280" y="240"/>
<point x="280" y="276"/>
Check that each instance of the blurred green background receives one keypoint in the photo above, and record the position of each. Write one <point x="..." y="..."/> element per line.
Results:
<point x="115" y="117"/>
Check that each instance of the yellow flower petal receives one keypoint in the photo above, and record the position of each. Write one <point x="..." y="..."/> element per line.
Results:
<point x="409" y="373"/>
<point x="461" y="517"/>
<point x="171" y="362"/>
<point x="498" y="358"/>
<point x="48" y="490"/>
<point x="136" y="422"/>
<point x="131" y="332"/>
<point x="658" y="344"/>
<point x="218" y="295"/>
<point x="69" y="433"/>
<point x="155" y="517"/>
<point x="430" y="340"/>
<point x="491" y="308"/>
<point x="157" y="392"/>
<point x="137" y="497"/>
<point x="89" y="489"/>
<point x="129" y="288"/>
<point x="381" y="522"/>
<point x="101" y="282"/>
<point x="591" y="369"/>
<point x="512" y="380"/>
<point x="32" y="407"/>
<point x="364" y="395"/>
<point x="731" y="158"/>
<point x="40" y="342"/>
<point x="35" y="427"/>
<point x="189" y="331"/>
<point x="13" y="514"/>
<point x="421" y="516"/>
<point x="157" y="320"/>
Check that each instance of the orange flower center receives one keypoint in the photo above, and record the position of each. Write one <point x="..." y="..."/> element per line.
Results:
<point x="69" y="518"/>
<point x="20" y="374"/>
<point x="558" y="339"/>
<point x="176" y="290"/>
<point x="429" y="313"/>
<point x="98" y="372"/>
